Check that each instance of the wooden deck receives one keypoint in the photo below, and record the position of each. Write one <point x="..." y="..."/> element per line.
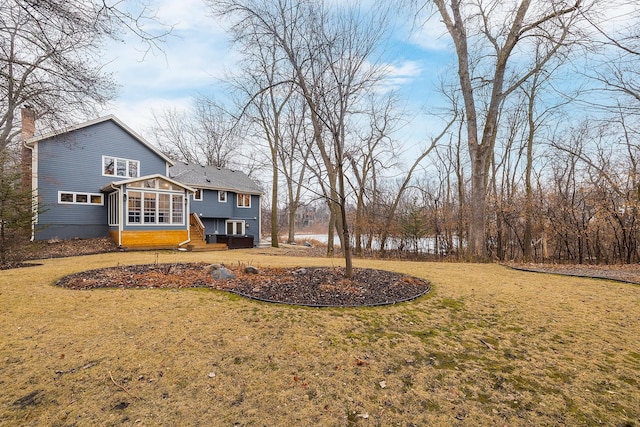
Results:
<point x="202" y="246"/>
<point x="198" y="241"/>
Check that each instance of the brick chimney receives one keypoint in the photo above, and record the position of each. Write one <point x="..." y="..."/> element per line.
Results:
<point x="28" y="130"/>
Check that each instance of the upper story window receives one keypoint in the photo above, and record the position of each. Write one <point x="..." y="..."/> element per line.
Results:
<point x="244" y="200"/>
<point x="197" y="196"/>
<point x="126" y="168"/>
<point x="222" y="196"/>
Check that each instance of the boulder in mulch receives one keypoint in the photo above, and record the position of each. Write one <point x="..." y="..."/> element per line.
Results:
<point x="222" y="274"/>
<point x="251" y="270"/>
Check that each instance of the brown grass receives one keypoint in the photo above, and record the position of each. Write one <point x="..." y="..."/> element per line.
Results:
<point x="488" y="346"/>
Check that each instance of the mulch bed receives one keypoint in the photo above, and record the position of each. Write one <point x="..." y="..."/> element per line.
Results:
<point x="628" y="273"/>
<point x="317" y="287"/>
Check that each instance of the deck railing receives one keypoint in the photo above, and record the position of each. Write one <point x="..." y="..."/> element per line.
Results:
<point x="197" y="226"/>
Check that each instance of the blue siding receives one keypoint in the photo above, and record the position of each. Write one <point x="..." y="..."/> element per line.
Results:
<point x="71" y="231"/>
<point x="253" y="218"/>
<point x="73" y="162"/>
<point x="214" y="214"/>
<point x="214" y="225"/>
<point x="210" y="207"/>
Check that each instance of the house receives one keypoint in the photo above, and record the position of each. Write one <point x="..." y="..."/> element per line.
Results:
<point x="227" y="202"/>
<point x="100" y="178"/>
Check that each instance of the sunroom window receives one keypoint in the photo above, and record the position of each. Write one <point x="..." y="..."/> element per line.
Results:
<point x="149" y="208"/>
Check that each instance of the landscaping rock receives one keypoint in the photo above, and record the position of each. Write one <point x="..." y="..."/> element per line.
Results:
<point x="222" y="274"/>
<point x="313" y="286"/>
<point x="251" y="270"/>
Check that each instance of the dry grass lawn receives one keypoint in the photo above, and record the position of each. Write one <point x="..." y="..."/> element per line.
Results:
<point x="488" y="346"/>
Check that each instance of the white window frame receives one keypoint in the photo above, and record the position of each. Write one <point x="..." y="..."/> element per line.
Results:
<point x="241" y="196"/>
<point x="199" y="191"/>
<point x="222" y="196"/>
<point x="128" y="163"/>
<point x="114" y="209"/>
<point x="75" y="195"/>
<point x="173" y="203"/>
<point x="236" y="222"/>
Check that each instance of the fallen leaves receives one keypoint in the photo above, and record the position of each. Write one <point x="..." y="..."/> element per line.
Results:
<point x="317" y="287"/>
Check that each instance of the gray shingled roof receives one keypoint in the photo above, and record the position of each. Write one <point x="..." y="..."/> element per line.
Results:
<point x="213" y="178"/>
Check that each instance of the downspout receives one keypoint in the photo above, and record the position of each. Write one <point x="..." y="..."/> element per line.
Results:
<point x="120" y="213"/>
<point x="259" y="218"/>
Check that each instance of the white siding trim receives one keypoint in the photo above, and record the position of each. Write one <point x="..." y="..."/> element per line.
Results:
<point x="259" y="218"/>
<point x="34" y="189"/>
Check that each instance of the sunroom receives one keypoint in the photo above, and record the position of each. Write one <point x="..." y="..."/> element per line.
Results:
<point x="148" y="212"/>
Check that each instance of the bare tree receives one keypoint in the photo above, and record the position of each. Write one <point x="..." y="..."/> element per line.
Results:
<point x="406" y="182"/>
<point x="373" y="154"/>
<point x="615" y="67"/>
<point x="49" y="58"/>
<point x="268" y="94"/>
<point x="50" y="68"/>
<point x="448" y="166"/>
<point x="487" y="36"/>
<point x="331" y="52"/>
<point x="206" y="134"/>
<point x="294" y="155"/>
<point x="604" y="180"/>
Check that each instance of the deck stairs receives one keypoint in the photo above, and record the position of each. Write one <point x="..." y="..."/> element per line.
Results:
<point x="198" y="241"/>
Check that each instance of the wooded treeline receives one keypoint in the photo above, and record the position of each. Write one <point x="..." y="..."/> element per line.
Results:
<point x="531" y="152"/>
<point x="584" y="205"/>
<point x="531" y="157"/>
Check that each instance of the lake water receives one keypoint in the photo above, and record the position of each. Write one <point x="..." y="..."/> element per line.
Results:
<point x="425" y="245"/>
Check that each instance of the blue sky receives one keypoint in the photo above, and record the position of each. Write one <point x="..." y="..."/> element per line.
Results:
<point x="197" y="55"/>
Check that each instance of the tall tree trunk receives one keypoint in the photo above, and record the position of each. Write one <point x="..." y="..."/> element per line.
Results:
<point x="528" y="194"/>
<point x="478" y="204"/>
<point x="331" y="233"/>
<point x="293" y="208"/>
<point x="274" y="203"/>
<point x="346" y="240"/>
<point x="481" y="143"/>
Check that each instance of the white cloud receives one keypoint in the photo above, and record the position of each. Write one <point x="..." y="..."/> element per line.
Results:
<point x="397" y="75"/>
<point x="185" y="14"/>
<point x="431" y="36"/>
<point x="138" y="114"/>
<point x="195" y="56"/>
<point x="405" y="69"/>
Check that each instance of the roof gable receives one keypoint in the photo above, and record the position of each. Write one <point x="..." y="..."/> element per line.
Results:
<point x="31" y="141"/>
<point x="113" y="185"/>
